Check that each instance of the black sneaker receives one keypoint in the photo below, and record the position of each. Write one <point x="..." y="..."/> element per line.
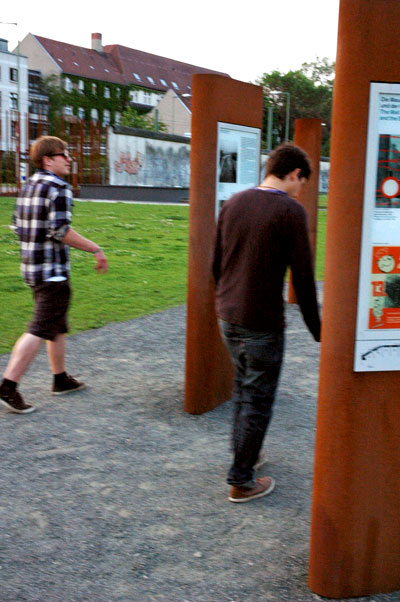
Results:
<point x="68" y="385"/>
<point x="13" y="400"/>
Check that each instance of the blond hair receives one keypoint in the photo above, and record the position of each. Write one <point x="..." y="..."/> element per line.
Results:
<point x="45" y="146"/>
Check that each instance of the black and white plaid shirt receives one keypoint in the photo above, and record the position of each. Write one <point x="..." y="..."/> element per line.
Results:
<point x="42" y="219"/>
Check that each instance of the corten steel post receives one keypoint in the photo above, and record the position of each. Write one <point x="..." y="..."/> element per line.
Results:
<point x="209" y="372"/>
<point x="308" y="135"/>
<point x="355" y="535"/>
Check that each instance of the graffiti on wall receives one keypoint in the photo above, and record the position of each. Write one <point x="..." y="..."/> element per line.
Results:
<point x="125" y="163"/>
<point x="136" y="161"/>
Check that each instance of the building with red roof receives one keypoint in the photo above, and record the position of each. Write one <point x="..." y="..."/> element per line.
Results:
<point x="100" y="82"/>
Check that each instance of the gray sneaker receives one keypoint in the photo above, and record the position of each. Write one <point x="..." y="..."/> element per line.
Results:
<point x="68" y="385"/>
<point x="13" y="400"/>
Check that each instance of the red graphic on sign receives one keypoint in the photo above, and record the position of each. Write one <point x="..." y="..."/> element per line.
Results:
<point x="386" y="260"/>
<point x="384" y="309"/>
<point x="390" y="187"/>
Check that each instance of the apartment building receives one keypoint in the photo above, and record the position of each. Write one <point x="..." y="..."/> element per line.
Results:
<point x="98" y="83"/>
<point x="14" y="99"/>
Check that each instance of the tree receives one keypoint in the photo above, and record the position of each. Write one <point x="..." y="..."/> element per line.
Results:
<point x="320" y="71"/>
<point x="133" y="119"/>
<point x="310" y="90"/>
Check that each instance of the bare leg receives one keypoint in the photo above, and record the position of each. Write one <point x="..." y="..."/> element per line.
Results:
<point x="56" y="353"/>
<point x="24" y="351"/>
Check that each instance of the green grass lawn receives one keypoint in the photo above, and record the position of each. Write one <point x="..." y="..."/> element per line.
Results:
<point x="146" y="246"/>
<point x="323" y="201"/>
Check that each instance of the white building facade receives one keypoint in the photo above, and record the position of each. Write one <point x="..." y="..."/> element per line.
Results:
<point x="14" y="104"/>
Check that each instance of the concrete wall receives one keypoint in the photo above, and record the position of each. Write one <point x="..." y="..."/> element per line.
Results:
<point x="134" y="193"/>
<point x="154" y="160"/>
<point x="146" y="158"/>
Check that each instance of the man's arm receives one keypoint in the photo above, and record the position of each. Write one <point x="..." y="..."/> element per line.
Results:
<point x="303" y="274"/>
<point x="73" y="239"/>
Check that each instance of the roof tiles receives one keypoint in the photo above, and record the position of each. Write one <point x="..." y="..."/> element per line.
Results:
<point x="123" y="65"/>
<point x="76" y="60"/>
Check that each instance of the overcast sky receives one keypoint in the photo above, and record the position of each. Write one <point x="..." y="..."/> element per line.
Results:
<point x="242" y="38"/>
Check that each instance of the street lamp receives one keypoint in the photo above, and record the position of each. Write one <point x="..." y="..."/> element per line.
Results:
<point x="276" y="93"/>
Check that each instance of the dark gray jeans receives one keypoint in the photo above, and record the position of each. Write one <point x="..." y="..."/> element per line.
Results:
<point x="257" y="358"/>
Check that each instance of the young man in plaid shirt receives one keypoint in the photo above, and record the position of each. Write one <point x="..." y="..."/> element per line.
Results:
<point x="43" y="225"/>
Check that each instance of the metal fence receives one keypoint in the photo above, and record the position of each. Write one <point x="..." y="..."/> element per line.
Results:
<point x="86" y="140"/>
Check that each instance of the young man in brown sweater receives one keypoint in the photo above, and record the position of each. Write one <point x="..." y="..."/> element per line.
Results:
<point x="260" y="233"/>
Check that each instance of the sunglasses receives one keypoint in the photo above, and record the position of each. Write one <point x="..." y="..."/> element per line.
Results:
<point x="66" y="155"/>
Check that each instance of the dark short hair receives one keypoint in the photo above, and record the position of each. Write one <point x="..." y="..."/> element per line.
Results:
<point x="285" y="158"/>
<point x="45" y="146"/>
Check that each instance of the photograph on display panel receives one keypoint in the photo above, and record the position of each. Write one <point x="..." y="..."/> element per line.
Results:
<point x="388" y="179"/>
<point x="238" y="160"/>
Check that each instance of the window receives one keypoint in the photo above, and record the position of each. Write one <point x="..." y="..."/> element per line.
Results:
<point x="151" y="80"/>
<point x="81" y="86"/>
<point x="147" y="98"/>
<point x="14" y="129"/>
<point x="94" y="115"/>
<point x="94" y="89"/>
<point x="106" y="117"/>
<point x="13" y="74"/>
<point x="137" y="77"/>
<point x="68" y="84"/>
<point x="175" y="85"/>
<point x="34" y="82"/>
<point x="164" y="83"/>
<point x="81" y="113"/>
<point x="117" y="118"/>
<point x="38" y="107"/>
<point x="14" y="101"/>
<point x="134" y="96"/>
<point x="107" y="93"/>
<point x="68" y="110"/>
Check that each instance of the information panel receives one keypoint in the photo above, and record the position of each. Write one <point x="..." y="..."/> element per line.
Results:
<point x="377" y="346"/>
<point x="238" y="160"/>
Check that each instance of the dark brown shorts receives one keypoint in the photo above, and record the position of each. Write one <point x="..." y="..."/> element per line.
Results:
<point x="50" y="312"/>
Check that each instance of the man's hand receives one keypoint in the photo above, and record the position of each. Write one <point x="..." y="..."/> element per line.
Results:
<point x="101" y="262"/>
<point x="73" y="239"/>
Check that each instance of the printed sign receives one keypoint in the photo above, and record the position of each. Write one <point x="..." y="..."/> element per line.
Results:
<point x="238" y="160"/>
<point x="377" y="346"/>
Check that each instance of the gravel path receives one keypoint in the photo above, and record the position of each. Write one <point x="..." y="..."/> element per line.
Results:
<point x="114" y="494"/>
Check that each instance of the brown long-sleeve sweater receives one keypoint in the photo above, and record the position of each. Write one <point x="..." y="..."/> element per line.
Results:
<point x="259" y="234"/>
